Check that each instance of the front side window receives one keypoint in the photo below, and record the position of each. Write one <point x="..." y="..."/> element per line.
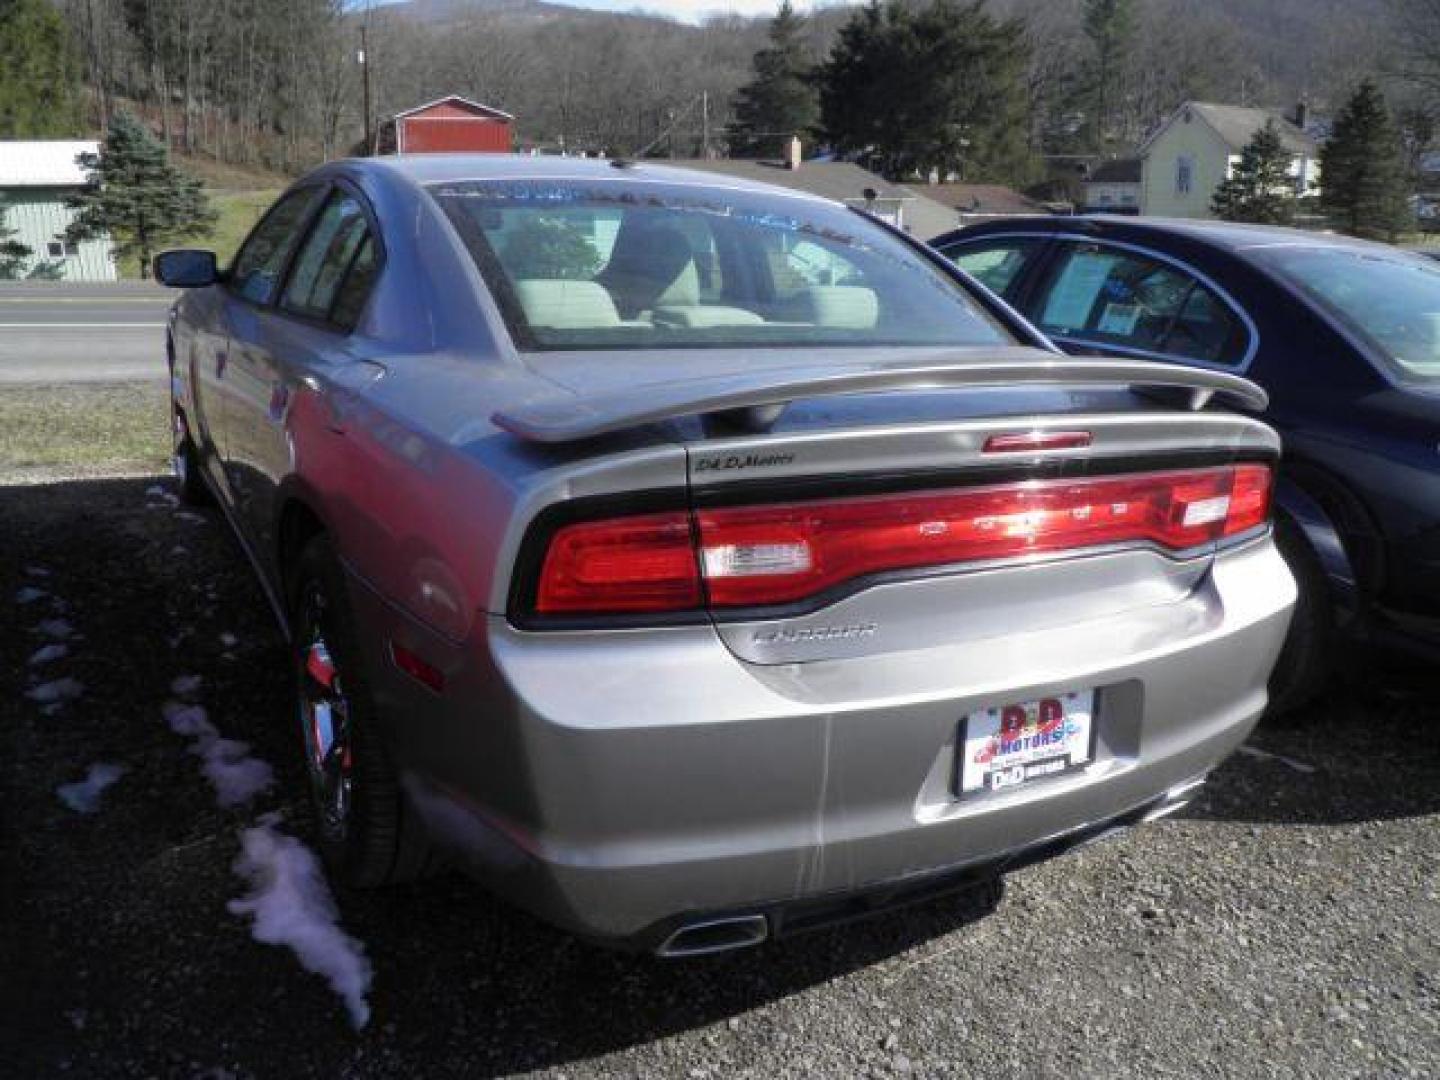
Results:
<point x="255" y="273"/>
<point x="326" y="258"/>
<point x="630" y="266"/>
<point x="995" y="263"/>
<point x="1390" y="301"/>
<point x="1109" y="296"/>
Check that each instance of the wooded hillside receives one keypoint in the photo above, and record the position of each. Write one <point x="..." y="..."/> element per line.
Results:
<point x="277" y="83"/>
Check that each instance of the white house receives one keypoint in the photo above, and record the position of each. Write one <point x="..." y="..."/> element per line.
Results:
<point x="35" y="180"/>
<point x="1113" y="187"/>
<point x="1191" y="153"/>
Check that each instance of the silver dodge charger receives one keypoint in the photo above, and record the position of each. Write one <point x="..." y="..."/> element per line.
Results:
<point x="698" y="561"/>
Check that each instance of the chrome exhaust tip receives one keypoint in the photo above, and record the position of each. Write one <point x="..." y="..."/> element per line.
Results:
<point x="712" y="936"/>
<point x="1177" y="798"/>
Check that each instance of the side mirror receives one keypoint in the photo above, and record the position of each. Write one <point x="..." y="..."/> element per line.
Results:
<point x="186" y="268"/>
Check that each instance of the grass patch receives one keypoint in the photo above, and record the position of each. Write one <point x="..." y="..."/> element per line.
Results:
<point x="89" y="427"/>
<point x="239" y="211"/>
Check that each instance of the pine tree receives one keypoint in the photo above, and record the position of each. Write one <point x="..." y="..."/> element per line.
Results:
<point x="1363" y="186"/>
<point x="136" y="197"/>
<point x="1110" y="26"/>
<point x="935" y="87"/>
<point x="13" y="254"/>
<point x="551" y="248"/>
<point x="39" y="75"/>
<point x="780" y="100"/>
<point x="1259" y="188"/>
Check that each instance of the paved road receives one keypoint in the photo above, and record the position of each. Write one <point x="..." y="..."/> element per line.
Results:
<point x="58" y="332"/>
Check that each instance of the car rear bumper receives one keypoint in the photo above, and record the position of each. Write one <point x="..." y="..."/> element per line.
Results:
<point x="625" y="784"/>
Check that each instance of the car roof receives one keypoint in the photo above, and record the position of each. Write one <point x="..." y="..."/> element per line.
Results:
<point x="425" y="169"/>
<point x="1232" y="236"/>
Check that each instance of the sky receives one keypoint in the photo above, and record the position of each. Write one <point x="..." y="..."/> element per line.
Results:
<point x="691" y="11"/>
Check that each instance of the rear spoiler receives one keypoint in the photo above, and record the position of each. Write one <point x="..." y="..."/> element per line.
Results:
<point x="756" y="399"/>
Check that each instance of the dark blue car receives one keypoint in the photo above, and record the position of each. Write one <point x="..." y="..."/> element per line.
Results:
<point x="1344" y="334"/>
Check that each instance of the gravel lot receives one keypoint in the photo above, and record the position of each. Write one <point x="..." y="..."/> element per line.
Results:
<point x="1287" y="925"/>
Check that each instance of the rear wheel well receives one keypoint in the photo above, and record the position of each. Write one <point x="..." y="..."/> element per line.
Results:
<point x="1363" y="542"/>
<point x="298" y="526"/>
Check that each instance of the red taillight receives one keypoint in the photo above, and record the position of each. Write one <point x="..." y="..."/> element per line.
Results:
<point x="641" y="564"/>
<point x="781" y="553"/>
<point x="1249" y="499"/>
<point x="834" y="541"/>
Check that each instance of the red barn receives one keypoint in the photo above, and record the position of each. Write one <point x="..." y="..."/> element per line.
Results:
<point x="452" y="124"/>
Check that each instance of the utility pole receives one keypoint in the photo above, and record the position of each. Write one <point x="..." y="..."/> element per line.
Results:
<point x="364" y="57"/>
<point x="705" y="125"/>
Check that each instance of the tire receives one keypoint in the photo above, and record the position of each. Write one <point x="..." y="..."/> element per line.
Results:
<point x="376" y="839"/>
<point x="1306" y="661"/>
<point x="193" y="490"/>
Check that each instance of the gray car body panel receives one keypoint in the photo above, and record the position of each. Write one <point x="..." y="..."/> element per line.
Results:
<point x="616" y="779"/>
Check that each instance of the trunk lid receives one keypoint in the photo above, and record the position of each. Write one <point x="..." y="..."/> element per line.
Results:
<point x="900" y="444"/>
<point x="896" y="432"/>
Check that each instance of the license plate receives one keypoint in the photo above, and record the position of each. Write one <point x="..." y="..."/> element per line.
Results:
<point x="1012" y="745"/>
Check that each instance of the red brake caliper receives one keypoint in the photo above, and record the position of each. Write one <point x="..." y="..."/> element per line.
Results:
<point x="321" y="668"/>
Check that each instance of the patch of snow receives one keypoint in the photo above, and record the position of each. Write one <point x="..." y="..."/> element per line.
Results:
<point x="29" y="594"/>
<point x="60" y="629"/>
<point x="55" y="708"/>
<point x="1265" y="755"/>
<point x="166" y="498"/>
<point x="37" y="571"/>
<point x="233" y="773"/>
<point x="185" y="685"/>
<point x="83" y="796"/>
<point x="229" y="640"/>
<point x="188" y="720"/>
<point x="56" y="691"/>
<point x="194" y="519"/>
<point x="47" y="653"/>
<point x="291" y="905"/>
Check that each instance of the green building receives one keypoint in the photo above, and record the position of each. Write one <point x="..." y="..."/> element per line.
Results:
<point x="35" y="180"/>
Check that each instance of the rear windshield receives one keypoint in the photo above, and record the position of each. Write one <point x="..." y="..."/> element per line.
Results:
<point x="632" y="265"/>
<point x="1391" y="301"/>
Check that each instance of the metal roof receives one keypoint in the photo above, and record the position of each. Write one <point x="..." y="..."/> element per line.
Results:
<point x="981" y="198"/>
<point x="43" y="164"/>
<point x="1115" y="171"/>
<point x="488" y="111"/>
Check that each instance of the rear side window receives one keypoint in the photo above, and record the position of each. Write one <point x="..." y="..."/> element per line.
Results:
<point x="323" y="263"/>
<point x="994" y="263"/>
<point x="255" y="273"/>
<point x="355" y="289"/>
<point x="1108" y="296"/>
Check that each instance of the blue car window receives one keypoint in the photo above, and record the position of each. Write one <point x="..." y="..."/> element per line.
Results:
<point x="1102" y="295"/>
<point x="1206" y="330"/>
<point x="255" y="273"/>
<point x="995" y="263"/>
<point x="1390" y="300"/>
